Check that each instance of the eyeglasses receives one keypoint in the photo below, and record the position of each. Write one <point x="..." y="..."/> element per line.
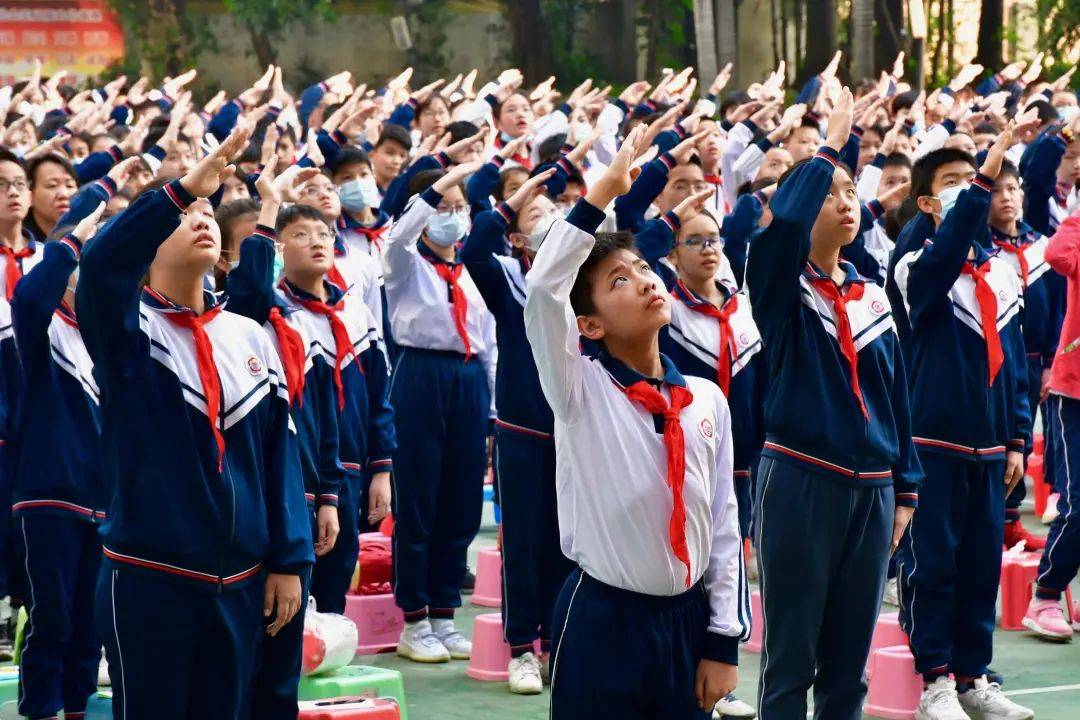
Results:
<point x="692" y="187"/>
<point x="18" y="185"/>
<point x="701" y="243"/>
<point x="456" y="209"/>
<point x="303" y="239"/>
<point x="316" y="190"/>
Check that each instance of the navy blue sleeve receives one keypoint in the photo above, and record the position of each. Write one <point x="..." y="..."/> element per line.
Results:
<point x="403" y="114"/>
<point x="990" y="85"/>
<point x="849" y="154"/>
<point x="329" y="145"/>
<point x="288" y="519"/>
<point x="383" y="440"/>
<point x="397" y="195"/>
<point x="907" y="472"/>
<point x="479" y="255"/>
<point x="779" y="251"/>
<point x="121" y="115"/>
<point x="86" y="201"/>
<point x="331" y="474"/>
<point x="481" y="185"/>
<point x="809" y="92"/>
<point x="1038" y="170"/>
<point x="630" y="208"/>
<point x="668" y="139"/>
<point x="739" y="224"/>
<point x="96" y="165"/>
<point x="38" y="295"/>
<point x="940" y="263"/>
<point x="224" y="120"/>
<point x="112" y="269"/>
<point x="309" y="100"/>
<point x="1012" y="342"/>
<point x="655" y="240"/>
<point x="250" y="285"/>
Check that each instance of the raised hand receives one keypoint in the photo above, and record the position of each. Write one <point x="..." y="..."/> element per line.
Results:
<point x="541" y="91"/>
<point x="616" y="180"/>
<point x="894" y="196"/>
<point x="88" y="225"/>
<point x="685" y="149"/>
<point x="898" y="66"/>
<point x="839" y="127"/>
<point x="530" y="189"/>
<point x="456" y="150"/>
<point x="832" y="67"/>
<point x="421" y="96"/>
<point x="693" y="205"/>
<point x="121" y="171"/>
<point x="514" y="147"/>
<point x="132" y="143"/>
<point x="721" y="81"/>
<point x="173" y="86"/>
<point x="455" y="175"/>
<point x="269" y="144"/>
<point x="996" y="154"/>
<point x="206" y="177"/>
<point x="287" y="185"/>
<point x="1034" y="69"/>
<point x="1062" y="83"/>
<point x="311" y="149"/>
<point x="967" y="74"/>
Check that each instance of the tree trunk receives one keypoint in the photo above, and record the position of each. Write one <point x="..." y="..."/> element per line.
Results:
<point x="889" y="19"/>
<point x="935" y="62"/>
<point x="653" y="10"/>
<point x="531" y="48"/>
<point x="265" y="52"/>
<point x="784" y="20"/>
<point x="705" y="35"/>
<point x="991" y="21"/>
<point x="821" y="37"/>
<point x="727" y="26"/>
<point x="862" y="39"/>
<point x="773" y="20"/>
<point x="950" y="36"/>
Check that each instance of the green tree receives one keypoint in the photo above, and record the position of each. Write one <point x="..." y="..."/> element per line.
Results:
<point x="267" y="20"/>
<point x="163" y="39"/>
<point x="1059" y="26"/>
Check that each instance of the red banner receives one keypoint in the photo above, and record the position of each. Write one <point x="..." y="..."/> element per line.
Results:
<point x="80" y="36"/>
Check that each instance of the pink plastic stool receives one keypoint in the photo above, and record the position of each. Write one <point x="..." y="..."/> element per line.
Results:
<point x="488" y="590"/>
<point x="1017" y="574"/>
<point x="894" y="686"/>
<point x="378" y="622"/>
<point x="376" y="537"/>
<point x="490" y="653"/>
<point x="757" y="623"/>
<point x="887" y="633"/>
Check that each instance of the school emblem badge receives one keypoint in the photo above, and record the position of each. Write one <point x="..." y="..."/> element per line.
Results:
<point x="744" y="339"/>
<point x="877" y="307"/>
<point x="1003" y="296"/>
<point x="706" y="428"/>
<point x="254" y="365"/>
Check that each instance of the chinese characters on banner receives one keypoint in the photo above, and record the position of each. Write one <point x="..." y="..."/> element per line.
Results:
<point x="80" y="36"/>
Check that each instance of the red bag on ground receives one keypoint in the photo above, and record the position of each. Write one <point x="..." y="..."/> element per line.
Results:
<point x="376" y="562"/>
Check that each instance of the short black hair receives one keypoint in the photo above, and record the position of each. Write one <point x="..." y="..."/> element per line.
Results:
<point x="733" y="99"/>
<point x="788" y="173"/>
<point x="808" y="123"/>
<point x="923" y="171"/>
<point x="897" y="159"/>
<point x="1047" y="112"/>
<point x="606" y="243"/>
<point x="550" y="150"/>
<point x="51" y="124"/>
<point x="157" y="128"/>
<point x="1008" y="170"/>
<point x="983" y="128"/>
<point x="395" y="133"/>
<point x="294" y="213"/>
<point x="350" y="155"/>
<point x="903" y="101"/>
<point x="432" y="99"/>
<point x="504" y="177"/>
<point x="63" y="162"/>
<point x="227" y="212"/>
<point x="424" y="179"/>
<point x="8" y="156"/>
<point x="461" y="129"/>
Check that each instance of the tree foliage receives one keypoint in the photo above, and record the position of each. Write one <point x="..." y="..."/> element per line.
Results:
<point x="267" y="20"/>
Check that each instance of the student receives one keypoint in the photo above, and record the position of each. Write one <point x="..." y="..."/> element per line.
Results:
<point x="829" y="344"/>
<point x="18" y="248"/>
<point x="534" y="567"/>
<point x="1061" y="561"/>
<point x="237" y="220"/>
<point x="390" y="155"/>
<point x="972" y="426"/>
<point x="1024" y="250"/>
<point x="57" y="500"/>
<point x="361" y="221"/>
<point x="442" y="397"/>
<point x="52" y="184"/>
<point x="648" y="625"/>
<point x="195" y="427"/>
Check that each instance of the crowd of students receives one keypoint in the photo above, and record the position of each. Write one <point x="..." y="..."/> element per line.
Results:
<point x="696" y="336"/>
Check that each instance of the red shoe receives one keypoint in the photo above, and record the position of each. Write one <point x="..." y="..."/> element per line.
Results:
<point x="1015" y="532"/>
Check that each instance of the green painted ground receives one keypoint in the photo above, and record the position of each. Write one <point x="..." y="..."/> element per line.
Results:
<point x="444" y="692"/>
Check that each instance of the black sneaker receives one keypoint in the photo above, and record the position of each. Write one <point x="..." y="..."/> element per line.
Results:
<point x="468" y="582"/>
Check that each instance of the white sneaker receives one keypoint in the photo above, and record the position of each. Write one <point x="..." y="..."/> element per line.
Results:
<point x="1051" y="511"/>
<point x="103" y="678"/>
<point x="459" y="646"/>
<point x="419" y="644"/>
<point x="985" y="701"/>
<point x="732" y="707"/>
<point x="525" y="675"/>
<point x="939" y="702"/>
<point x="891" y="596"/>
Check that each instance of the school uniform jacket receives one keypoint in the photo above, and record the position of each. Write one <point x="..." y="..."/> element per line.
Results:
<point x="611" y="462"/>
<point x="1045" y="206"/>
<point x="955" y="409"/>
<point x="812" y="415"/>
<point x="56" y="458"/>
<point x="176" y="507"/>
<point x="314" y="410"/>
<point x="421" y="315"/>
<point x="502" y="281"/>
<point x="1044" y="291"/>
<point x="25" y="264"/>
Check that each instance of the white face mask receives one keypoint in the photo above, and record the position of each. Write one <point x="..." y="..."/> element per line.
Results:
<point x="1068" y="112"/>
<point x="536" y="238"/>
<point x="446" y="229"/>
<point x="580" y="129"/>
<point x="359" y="194"/>
<point x="948" y="198"/>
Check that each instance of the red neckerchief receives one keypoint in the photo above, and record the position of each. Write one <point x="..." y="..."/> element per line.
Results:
<point x="12" y="271"/>
<point x="334" y="275"/>
<point x="204" y="358"/>
<point x="519" y="159"/>
<point x="728" y="351"/>
<point x="373" y="234"/>
<point x="343" y="345"/>
<point x="1018" y="251"/>
<point x="840" y="298"/>
<point x="293" y="355"/>
<point x="648" y="397"/>
<point x="459" y="305"/>
<point x="67" y="314"/>
<point x="988" y="317"/>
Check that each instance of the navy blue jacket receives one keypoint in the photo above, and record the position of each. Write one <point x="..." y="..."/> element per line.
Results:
<point x="501" y="282"/>
<point x="172" y="512"/>
<point x="630" y="208"/>
<point x="809" y="375"/>
<point x="61" y="400"/>
<point x="954" y="408"/>
<point x="1038" y="170"/>
<point x="738" y="226"/>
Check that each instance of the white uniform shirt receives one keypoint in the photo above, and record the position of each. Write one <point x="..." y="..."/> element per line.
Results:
<point x="611" y="464"/>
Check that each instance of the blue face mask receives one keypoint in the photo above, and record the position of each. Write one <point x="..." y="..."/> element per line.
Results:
<point x="359" y="194"/>
<point x="948" y="198"/>
<point x="446" y="229"/>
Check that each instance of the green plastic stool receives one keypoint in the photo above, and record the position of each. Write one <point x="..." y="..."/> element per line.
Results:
<point x="356" y="680"/>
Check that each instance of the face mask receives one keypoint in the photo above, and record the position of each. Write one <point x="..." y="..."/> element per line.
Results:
<point x="279" y="263"/>
<point x="948" y="198"/>
<point x="534" y="239"/>
<point x="580" y="129"/>
<point x="1068" y="112"/>
<point x="445" y="230"/>
<point x="359" y="194"/>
